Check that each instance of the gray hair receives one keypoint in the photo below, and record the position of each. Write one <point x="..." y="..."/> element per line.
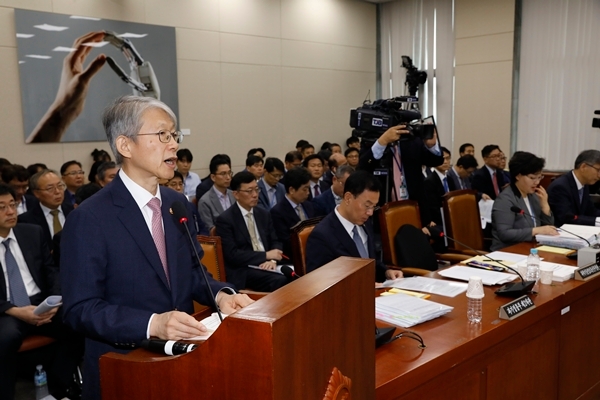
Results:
<point x="343" y="170"/>
<point x="586" y="157"/>
<point x="34" y="180"/>
<point x="102" y="168"/>
<point x="124" y="117"/>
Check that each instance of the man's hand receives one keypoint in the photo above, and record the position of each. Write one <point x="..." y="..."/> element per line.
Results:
<point x="230" y="303"/>
<point x="175" y="325"/>
<point x="274" y="254"/>
<point x="26" y="314"/>
<point x="268" y="265"/>
<point x="393" y="274"/>
<point x="392" y="135"/>
<point x="485" y="197"/>
<point x="72" y="90"/>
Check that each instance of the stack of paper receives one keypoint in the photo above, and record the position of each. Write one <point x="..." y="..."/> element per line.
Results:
<point x="571" y="240"/>
<point x="560" y="272"/>
<point x="487" y="277"/>
<point x="211" y="323"/>
<point x="428" y="285"/>
<point x="407" y="311"/>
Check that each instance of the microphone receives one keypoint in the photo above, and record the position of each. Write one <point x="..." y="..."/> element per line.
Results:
<point x="511" y="289"/>
<point x="569" y="216"/>
<point x="168" y="347"/>
<point x="180" y="213"/>
<point x="289" y="273"/>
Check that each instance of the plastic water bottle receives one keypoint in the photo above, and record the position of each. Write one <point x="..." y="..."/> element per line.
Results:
<point x="533" y="266"/>
<point x="474" y="299"/>
<point x="41" y="383"/>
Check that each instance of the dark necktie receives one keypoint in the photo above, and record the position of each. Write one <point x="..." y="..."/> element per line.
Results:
<point x="18" y="293"/>
<point x="317" y="191"/>
<point x="359" y="243"/>
<point x="580" y="195"/>
<point x="495" y="182"/>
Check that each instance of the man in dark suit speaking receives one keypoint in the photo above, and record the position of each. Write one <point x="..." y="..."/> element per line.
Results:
<point x="348" y="231"/>
<point x="126" y="264"/>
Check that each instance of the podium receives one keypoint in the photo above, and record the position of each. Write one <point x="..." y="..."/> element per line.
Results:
<point x="311" y="339"/>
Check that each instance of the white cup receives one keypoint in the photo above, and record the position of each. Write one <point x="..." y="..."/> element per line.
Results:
<point x="546" y="275"/>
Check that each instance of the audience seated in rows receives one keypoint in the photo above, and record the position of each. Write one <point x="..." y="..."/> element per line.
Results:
<point x="489" y="180"/>
<point x="332" y="197"/>
<point x="271" y="190"/>
<point x="314" y="164"/>
<point x="218" y="198"/>
<point x="191" y="180"/>
<point x="255" y="165"/>
<point x="17" y="177"/>
<point x="461" y="171"/>
<point x="208" y="183"/>
<point x="73" y="177"/>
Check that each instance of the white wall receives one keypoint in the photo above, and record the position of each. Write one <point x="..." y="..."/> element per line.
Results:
<point x="252" y="73"/>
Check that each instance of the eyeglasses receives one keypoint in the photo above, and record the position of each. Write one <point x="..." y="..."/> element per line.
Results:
<point x="597" y="169"/>
<point x="74" y="173"/>
<point x="165" y="136"/>
<point x="250" y="191"/>
<point x="224" y="174"/>
<point x="4" y="207"/>
<point x="369" y="208"/>
<point x="52" y="189"/>
<point x="278" y="176"/>
<point x="536" y="178"/>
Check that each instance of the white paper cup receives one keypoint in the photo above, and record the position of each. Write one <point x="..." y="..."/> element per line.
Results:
<point x="546" y="275"/>
<point x="475" y="288"/>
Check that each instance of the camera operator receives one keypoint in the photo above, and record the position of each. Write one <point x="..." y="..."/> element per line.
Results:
<point x="402" y="154"/>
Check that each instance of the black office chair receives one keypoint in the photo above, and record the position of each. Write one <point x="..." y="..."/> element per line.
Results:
<point x="413" y="249"/>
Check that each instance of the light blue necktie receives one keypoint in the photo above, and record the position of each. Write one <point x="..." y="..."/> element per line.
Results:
<point x="18" y="293"/>
<point x="446" y="188"/>
<point x="359" y="243"/>
<point x="273" y="197"/>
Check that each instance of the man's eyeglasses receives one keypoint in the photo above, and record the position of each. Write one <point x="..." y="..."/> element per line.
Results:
<point x="5" y="207"/>
<point x="250" y="191"/>
<point x="52" y="189"/>
<point x="276" y="176"/>
<point x="74" y="173"/>
<point x="224" y="174"/>
<point x="165" y="136"/>
<point x="597" y="169"/>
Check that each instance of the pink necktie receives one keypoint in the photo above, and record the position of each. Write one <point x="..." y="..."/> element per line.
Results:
<point x="158" y="233"/>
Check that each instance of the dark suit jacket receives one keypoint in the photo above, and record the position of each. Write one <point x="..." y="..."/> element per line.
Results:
<point x="113" y="279"/>
<point x="35" y="215"/>
<point x="30" y="201"/>
<point x="324" y="203"/>
<point x="329" y="240"/>
<point x="237" y="245"/>
<point x="323" y="186"/>
<point x="39" y="262"/>
<point x="263" y="196"/>
<point x="482" y="181"/>
<point x="451" y="174"/>
<point x="564" y="199"/>
<point x="414" y="154"/>
<point x="284" y="217"/>
<point x="433" y="190"/>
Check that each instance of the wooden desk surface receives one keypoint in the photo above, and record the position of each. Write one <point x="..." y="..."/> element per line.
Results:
<point x="460" y="356"/>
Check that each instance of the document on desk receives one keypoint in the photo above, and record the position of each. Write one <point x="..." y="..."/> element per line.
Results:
<point x="499" y="256"/>
<point x="428" y="285"/>
<point x="570" y="240"/>
<point x="211" y="323"/>
<point x="488" y="277"/>
<point x="407" y="311"/>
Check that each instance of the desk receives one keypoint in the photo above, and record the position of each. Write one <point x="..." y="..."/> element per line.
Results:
<point x="548" y="353"/>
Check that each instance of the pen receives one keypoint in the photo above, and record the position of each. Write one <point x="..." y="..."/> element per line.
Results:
<point x="485" y="266"/>
<point x="284" y="256"/>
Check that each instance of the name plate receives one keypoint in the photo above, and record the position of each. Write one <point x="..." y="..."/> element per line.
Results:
<point x="516" y="308"/>
<point x="585" y="273"/>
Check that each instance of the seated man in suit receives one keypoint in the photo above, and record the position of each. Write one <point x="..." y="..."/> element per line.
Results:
<point x="335" y="160"/>
<point x="106" y="172"/>
<point x="29" y="277"/>
<point x="51" y="211"/>
<point x="461" y="171"/>
<point x="348" y="230"/>
<point x="569" y="194"/>
<point x="207" y="183"/>
<point x="489" y="180"/>
<point x="218" y="198"/>
<point x="352" y="155"/>
<point x="177" y="184"/>
<point x="466" y="149"/>
<point x="73" y="176"/>
<point x="327" y="201"/>
<point x="434" y="187"/>
<point x="292" y="160"/>
<point x="249" y="238"/>
<point x="271" y="190"/>
<point x="17" y="177"/>
<point x="314" y="165"/>
<point x="127" y="270"/>
<point x="307" y="150"/>
<point x="255" y="165"/>
<point x="191" y="180"/>
<point x="294" y="208"/>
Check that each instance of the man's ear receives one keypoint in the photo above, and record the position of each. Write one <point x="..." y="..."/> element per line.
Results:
<point x="123" y="146"/>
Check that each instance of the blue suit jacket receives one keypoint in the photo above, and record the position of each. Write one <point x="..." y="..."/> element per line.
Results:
<point x="112" y="276"/>
<point x="284" y="217"/>
<point x="263" y="196"/>
<point x="329" y="240"/>
<point x="324" y="203"/>
<point x="564" y="199"/>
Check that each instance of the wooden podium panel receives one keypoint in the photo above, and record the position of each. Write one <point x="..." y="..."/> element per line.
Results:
<point x="284" y="346"/>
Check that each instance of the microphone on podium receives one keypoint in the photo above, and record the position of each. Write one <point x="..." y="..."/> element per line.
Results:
<point x="180" y="214"/>
<point x="168" y="347"/>
<point x="511" y="289"/>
